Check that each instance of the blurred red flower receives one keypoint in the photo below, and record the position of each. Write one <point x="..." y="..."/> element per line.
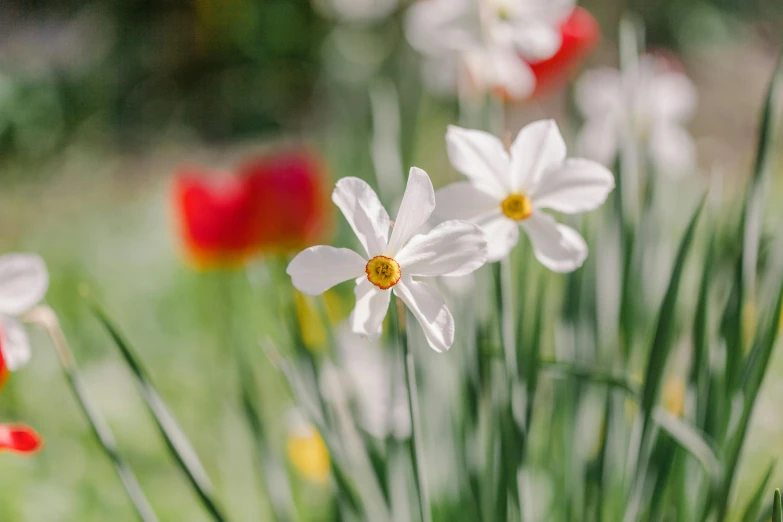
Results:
<point x="581" y="34"/>
<point x="19" y="438"/>
<point x="273" y="204"/>
<point x="4" y="372"/>
<point x="289" y="188"/>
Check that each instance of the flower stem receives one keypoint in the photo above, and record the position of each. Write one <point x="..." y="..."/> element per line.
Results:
<point x="413" y="405"/>
<point x="47" y="319"/>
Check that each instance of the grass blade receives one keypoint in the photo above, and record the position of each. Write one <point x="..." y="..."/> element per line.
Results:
<point x="754" y="506"/>
<point x="689" y="438"/>
<point x="662" y="341"/>
<point x="177" y="442"/>
<point x="777" y="510"/>
<point x="564" y="370"/>
<point x="45" y="317"/>
<point x="756" y="369"/>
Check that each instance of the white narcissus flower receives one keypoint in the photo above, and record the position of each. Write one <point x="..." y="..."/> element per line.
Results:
<point x="650" y="102"/>
<point x="23" y="284"/>
<point x="507" y="191"/>
<point x="393" y="262"/>
<point x="487" y="44"/>
<point x="532" y="27"/>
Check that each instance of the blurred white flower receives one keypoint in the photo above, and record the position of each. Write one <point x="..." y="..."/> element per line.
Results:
<point x="356" y="11"/>
<point x="529" y="26"/>
<point x="507" y="191"/>
<point x="485" y="44"/>
<point x="650" y="102"/>
<point x="453" y="248"/>
<point x="370" y="380"/>
<point x="23" y="284"/>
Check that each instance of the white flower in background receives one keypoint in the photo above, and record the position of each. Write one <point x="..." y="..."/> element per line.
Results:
<point x="529" y="26"/>
<point x="371" y="380"/>
<point x="485" y="43"/>
<point x="506" y="191"/>
<point x="650" y="102"/>
<point x="23" y="284"/>
<point x="356" y="11"/>
<point x="393" y="261"/>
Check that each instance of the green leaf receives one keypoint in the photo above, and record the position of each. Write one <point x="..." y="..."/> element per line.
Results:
<point x="699" y="378"/>
<point x="777" y="510"/>
<point x="46" y="318"/>
<point x="691" y="439"/>
<point x="177" y="442"/>
<point x="565" y="370"/>
<point x="753" y="508"/>
<point x="664" y="332"/>
<point x="756" y="369"/>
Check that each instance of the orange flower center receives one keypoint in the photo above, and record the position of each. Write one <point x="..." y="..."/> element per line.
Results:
<point x="517" y="207"/>
<point x="384" y="272"/>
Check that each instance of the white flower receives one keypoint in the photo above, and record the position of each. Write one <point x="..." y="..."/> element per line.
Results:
<point x="485" y="43"/>
<point x="651" y="102"/>
<point x="23" y="284"/>
<point x="368" y="374"/>
<point x="532" y="27"/>
<point x="507" y="191"/>
<point x="395" y="262"/>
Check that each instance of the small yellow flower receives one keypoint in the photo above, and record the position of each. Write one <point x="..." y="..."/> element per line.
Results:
<point x="674" y="396"/>
<point x="308" y="454"/>
<point x="312" y="328"/>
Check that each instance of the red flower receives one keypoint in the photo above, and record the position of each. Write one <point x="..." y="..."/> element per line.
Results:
<point x="274" y="203"/>
<point x="289" y="188"/>
<point x="216" y="217"/>
<point x="19" y="438"/>
<point x="580" y="34"/>
<point x="4" y="372"/>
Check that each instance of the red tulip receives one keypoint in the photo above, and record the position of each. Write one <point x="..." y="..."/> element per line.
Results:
<point x="217" y="217"/>
<point x="289" y="188"/>
<point x="19" y="438"/>
<point x="580" y="34"/>
<point x="273" y="203"/>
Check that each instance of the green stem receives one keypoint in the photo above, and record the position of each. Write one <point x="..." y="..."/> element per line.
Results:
<point x="269" y="468"/>
<point x="45" y="317"/>
<point x="413" y="405"/>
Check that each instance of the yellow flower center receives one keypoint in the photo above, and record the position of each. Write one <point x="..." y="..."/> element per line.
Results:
<point x="384" y="272"/>
<point x="517" y="207"/>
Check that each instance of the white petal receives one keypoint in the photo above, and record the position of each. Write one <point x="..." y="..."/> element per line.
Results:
<point x="538" y="147"/>
<point x="579" y="185"/>
<point x="14" y="343"/>
<point x="363" y="211"/>
<point x="671" y="96"/>
<point x="317" y="269"/>
<point x="453" y="248"/>
<point x="436" y="27"/>
<point x="372" y="304"/>
<point x="417" y="204"/>
<point x="502" y="235"/>
<point x="430" y="311"/>
<point x="599" y="139"/>
<point x="598" y="92"/>
<point x="536" y="41"/>
<point x="501" y="69"/>
<point x="672" y="150"/>
<point x="23" y="282"/>
<point x="557" y="247"/>
<point x="481" y="157"/>
<point x="463" y="200"/>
